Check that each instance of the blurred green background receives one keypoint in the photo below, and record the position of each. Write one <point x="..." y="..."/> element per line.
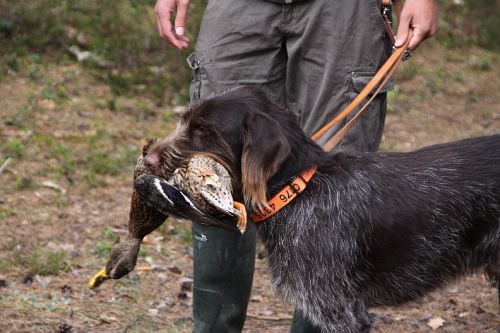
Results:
<point x="122" y="35"/>
<point x="135" y="60"/>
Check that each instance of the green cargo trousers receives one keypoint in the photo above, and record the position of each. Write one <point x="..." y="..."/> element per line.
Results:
<point x="312" y="57"/>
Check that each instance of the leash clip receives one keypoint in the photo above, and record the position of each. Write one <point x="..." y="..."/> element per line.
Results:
<point x="193" y="61"/>
<point x="406" y="54"/>
<point x="387" y="14"/>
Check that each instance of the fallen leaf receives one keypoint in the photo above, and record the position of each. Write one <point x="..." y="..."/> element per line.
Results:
<point x="174" y="269"/>
<point x="256" y="298"/>
<point x="107" y="319"/>
<point x="491" y="308"/>
<point x="266" y="312"/>
<point x="153" y="312"/>
<point x="54" y="186"/>
<point x="186" y="284"/>
<point x="436" y="322"/>
<point x="47" y="104"/>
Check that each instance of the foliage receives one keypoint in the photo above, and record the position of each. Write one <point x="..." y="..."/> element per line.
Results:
<point x="14" y="148"/>
<point x="39" y="261"/>
<point x="469" y="22"/>
<point x="123" y="33"/>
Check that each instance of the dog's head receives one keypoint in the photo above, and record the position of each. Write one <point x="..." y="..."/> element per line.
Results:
<point x="244" y="131"/>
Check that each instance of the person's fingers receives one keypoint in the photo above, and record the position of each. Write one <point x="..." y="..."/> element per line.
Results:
<point x="403" y="27"/>
<point x="423" y="17"/>
<point x="158" y="26"/>
<point x="180" y="18"/>
<point x="417" y="38"/>
<point x="166" y="30"/>
<point x="165" y="27"/>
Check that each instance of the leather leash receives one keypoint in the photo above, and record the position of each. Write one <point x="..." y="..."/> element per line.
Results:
<point x="378" y="81"/>
<point x="292" y="190"/>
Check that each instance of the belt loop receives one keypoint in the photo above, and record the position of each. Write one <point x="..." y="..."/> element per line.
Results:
<point x="193" y="61"/>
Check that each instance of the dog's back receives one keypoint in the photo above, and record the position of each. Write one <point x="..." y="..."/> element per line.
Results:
<point x="436" y="215"/>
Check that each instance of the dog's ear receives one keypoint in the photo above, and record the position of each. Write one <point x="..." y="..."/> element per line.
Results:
<point x="265" y="148"/>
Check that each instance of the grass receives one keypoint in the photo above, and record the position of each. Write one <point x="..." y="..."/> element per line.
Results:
<point x="103" y="249"/>
<point x="38" y="261"/>
<point x="23" y="118"/>
<point x="395" y="98"/>
<point x="173" y="228"/>
<point x="104" y="246"/>
<point x="481" y="64"/>
<point x="99" y="160"/>
<point x="24" y="183"/>
<point x="124" y="34"/>
<point x="66" y="157"/>
<point x="6" y="212"/>
<point x="13" y="148"/>
<point x="407" y="70"/>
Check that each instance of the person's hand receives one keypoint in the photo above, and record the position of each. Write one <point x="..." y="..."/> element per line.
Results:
<point x="423" y="17"/>
<point x="174" y="34"/>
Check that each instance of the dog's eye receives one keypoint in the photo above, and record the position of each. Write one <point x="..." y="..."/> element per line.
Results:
<point x="201" y="131"/>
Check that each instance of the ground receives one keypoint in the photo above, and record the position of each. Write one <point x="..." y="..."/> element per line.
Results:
<point x="66" y="187"/>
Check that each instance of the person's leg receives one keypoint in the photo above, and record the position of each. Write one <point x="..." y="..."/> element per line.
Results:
<point x="238" y="45"/>
<point x="333" y="49"/>
<point x="224" y="266"/>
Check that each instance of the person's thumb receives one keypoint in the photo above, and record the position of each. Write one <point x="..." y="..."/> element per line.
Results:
<point x="403" y="28"/>
<point x="180" y="18"/>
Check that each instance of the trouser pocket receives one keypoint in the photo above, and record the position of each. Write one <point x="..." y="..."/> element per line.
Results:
<point x="367" y="133"/>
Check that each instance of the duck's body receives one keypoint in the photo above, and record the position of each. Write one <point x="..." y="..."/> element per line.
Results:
<point x="208" y="188"/>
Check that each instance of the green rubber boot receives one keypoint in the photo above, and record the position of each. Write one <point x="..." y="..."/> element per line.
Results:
<point x="224" y="264"/>
<point x="301" y="324"/>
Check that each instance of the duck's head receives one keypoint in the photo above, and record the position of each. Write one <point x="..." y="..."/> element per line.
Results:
<point x="121" y="261"/>
<point x="123" y="258"/>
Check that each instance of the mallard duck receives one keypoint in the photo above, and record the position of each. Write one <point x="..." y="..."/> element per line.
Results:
<point x="203" y="179"/>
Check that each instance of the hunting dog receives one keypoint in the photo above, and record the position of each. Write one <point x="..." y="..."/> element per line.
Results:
<point x="369" y="229"/>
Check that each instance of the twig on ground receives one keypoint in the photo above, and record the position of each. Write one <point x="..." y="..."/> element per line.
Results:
<point x="271" y="318"/>
<point x="144" y="269"/>
<point x="4" y="165"/>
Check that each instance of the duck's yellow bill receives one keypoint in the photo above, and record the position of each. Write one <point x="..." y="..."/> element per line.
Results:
<point x="99" y="278"/>
<point x="242" y="219"/>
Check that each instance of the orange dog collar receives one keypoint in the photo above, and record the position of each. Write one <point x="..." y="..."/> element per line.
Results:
<point x="283" y="197"/>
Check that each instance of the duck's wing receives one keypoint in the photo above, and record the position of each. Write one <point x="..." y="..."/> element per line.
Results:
<point x="168" y="199"/>
<point x="220" y="200"/>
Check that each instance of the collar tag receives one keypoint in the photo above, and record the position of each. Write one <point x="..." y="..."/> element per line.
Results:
<point x="283" y="197"/>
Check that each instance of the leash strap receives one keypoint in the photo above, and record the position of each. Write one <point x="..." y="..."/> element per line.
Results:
<point x="379" y="80"/>
<point x="385" y="75"/>
<point x="283" y="197"/>
<point x="376" y="83"/>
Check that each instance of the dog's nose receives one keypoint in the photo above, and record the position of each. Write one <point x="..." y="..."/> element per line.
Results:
<point x="151" y="161"/>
